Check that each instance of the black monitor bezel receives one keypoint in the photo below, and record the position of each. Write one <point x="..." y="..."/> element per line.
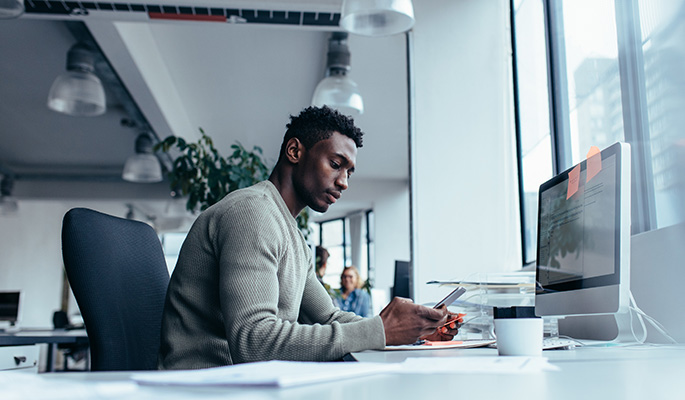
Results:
<point x="15" y="301"/>
<point x="598" y="281"/>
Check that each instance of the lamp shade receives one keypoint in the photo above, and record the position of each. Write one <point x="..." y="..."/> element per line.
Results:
<point x="78" y="92"/>
<point x="377" y="17"/>
<point x="339" y="92"/>
<point x="11" y="8"/>
<point x="143" y="167"/>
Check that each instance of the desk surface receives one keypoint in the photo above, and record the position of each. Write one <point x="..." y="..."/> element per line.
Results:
<point x="37" y="336"/>
<point x="585" y="373"/>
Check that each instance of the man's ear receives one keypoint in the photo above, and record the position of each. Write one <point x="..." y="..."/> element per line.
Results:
<point x="294" y="150"/>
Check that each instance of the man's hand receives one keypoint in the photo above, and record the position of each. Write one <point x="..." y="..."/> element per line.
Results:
<point x="447" y="331"/>
<point x="405" y="322"/>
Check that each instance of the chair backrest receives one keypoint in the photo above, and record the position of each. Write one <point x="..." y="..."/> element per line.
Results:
<point x="118" y="274"/>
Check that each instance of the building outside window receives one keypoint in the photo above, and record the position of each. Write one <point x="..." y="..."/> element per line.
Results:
<point x="610" y="71"/>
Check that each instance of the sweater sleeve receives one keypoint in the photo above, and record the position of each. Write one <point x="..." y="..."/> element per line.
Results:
<point x="255" y="287"/>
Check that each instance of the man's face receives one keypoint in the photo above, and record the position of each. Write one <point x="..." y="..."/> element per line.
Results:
<point x="323" y="171"/>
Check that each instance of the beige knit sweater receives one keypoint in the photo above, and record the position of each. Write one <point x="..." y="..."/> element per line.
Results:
<point x="244" y="289"/>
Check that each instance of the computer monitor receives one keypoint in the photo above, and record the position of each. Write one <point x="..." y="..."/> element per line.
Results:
<point x="9" y="307"/>
<point x="401" y="284"/>
<point x="583" y="248"/>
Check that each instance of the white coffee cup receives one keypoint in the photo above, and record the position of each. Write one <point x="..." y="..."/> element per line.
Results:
<point x="519" y="336"/>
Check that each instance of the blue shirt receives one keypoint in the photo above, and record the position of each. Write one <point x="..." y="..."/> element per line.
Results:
<point x="358" y="302"/>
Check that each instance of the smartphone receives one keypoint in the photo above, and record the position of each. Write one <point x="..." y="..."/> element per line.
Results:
<point x="449" y="299"/>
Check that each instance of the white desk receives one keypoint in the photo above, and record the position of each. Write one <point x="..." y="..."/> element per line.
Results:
<point x="586" y="373"/>
<point x="51" y="337"/>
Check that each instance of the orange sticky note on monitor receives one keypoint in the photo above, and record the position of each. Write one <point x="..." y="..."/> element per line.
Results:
<point x="573" y="178"/>
<point x="594" y="163"/>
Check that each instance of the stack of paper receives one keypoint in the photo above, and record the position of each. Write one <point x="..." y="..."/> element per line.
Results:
<point x="268" y="373"/>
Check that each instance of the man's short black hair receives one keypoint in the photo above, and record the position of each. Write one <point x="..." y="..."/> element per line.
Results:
<point x="315" y="124"/>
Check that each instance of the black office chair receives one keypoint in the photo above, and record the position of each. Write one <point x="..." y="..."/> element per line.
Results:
<point x="118" y="274"/>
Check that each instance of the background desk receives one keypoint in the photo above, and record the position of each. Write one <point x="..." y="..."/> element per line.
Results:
<point x="51" y="337"/>
<point x="585" y="373"/>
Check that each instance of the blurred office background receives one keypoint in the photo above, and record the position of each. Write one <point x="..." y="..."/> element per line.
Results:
<point x="465" y="115"/>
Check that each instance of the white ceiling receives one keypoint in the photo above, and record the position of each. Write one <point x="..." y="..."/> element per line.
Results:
<point x="239" y="82"/>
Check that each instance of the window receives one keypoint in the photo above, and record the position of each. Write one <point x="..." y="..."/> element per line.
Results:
<point x="611" y="70"/>
<point x="335" y="238"/>
<point x="662" y="28"/>
<point x="588" y="76"/>
<point x="349" y="241"/>
<point x="532" y="97"/>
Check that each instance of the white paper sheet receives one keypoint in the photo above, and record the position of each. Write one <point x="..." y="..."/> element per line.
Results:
<point x="26" y="385"/>
<point x="268" y="373"/>
<point x="476" y="365"/>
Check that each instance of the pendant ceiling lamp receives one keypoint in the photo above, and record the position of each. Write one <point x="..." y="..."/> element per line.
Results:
<point x="337" y="90"/>
<point x="11" y="8"/>
<point x="143" y="167"/>
<point x="377" y="17"/>
<point x="78" y="92"/>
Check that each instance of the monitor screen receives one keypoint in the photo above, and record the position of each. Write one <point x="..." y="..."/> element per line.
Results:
<point x="401" y="285"/>
<point x="583" y="243"/>
<point x="9" y="306"/>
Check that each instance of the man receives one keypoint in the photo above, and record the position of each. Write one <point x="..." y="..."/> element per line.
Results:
<point x="244" y="288"/>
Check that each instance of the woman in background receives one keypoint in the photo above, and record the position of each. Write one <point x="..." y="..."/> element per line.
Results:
<point x="350" y="296"/>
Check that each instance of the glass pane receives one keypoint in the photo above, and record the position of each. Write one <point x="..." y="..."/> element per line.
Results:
<point x="171" y="244"/>
<point x="314" y="238"/>
<point x="537" y="168"/>
<point x="533" y="110"/>
<point x="332" y="240"/>
<point x="592" y="73"/>
<point x="364" y="260"/>
<point x="332" y="234"/>
<point x="663" y="29"/>
<point x="348" y="243"/>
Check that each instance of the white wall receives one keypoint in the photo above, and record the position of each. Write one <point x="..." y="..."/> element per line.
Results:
<point x="32" y="260"/>
<point x="656" y="278"/>
<point x="31" y="254"/>
<point x="391" y="213"/>
<point x="464" y="167"/>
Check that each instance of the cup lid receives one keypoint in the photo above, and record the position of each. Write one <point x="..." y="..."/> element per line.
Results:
<point x="514" y="312"/>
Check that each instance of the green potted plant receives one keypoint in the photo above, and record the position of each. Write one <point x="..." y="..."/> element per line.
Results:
<point x="205" y="176"/>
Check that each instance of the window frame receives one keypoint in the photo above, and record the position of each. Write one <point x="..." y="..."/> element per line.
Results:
<point x="368" y="238"/>
<point x="633" y="102"/>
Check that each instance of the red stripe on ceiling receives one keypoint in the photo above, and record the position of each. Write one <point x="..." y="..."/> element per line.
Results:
<point x="187" y="17"/>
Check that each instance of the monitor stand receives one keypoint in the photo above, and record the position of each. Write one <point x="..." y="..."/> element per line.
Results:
<point x="610" y="328"/>
<point x="623" y="324"/>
